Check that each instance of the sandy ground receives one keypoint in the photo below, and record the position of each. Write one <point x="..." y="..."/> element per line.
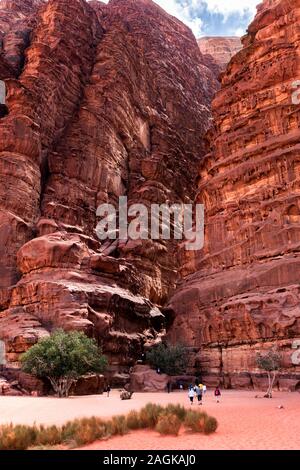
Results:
<point x="245" y="422"/>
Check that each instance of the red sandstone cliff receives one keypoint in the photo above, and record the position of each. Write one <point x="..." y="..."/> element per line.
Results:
<point x="241" y="294"/>
<point x="218" y="51"/>
<point x="103" y="101"/>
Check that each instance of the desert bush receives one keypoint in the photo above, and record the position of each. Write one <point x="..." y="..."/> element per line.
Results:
<point x="17" y="437"/>
<point x="149" y="415"/>
<point x="48" y="436"/>
<point x="133" y="420"/>
<point x="168" y="424"/>
<point x="167" y="420"/>
<point x="195" y="421"/>
<point x="118" y="426"/>
<point x="86" y="430"/>
<point x="69" y="430"/>
<point x="178" y="410"/>
<point x="210" y="425"/>
<point x="200" y="422"/>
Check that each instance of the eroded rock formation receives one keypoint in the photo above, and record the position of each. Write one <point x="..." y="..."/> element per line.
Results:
<point x="94" y="113"/>
<point x="218" y="51"/>
<point x="241" y="294"/>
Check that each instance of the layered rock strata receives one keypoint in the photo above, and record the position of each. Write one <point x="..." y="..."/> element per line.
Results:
<point x="218" y="51"/>
<point x="111" y="100"/>
<point x="241" y="293"/>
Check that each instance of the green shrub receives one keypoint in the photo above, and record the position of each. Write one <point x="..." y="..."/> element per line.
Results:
<point x="168" y="424"/>
<point x="170" y="359"/>
<point x="63" y="358"/>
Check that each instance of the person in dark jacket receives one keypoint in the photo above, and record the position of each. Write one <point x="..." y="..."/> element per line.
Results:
<point x="217" y="394"/>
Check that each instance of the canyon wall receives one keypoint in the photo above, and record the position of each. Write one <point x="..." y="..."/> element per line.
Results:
<point x="218" y="51"/>
<point x="241" y="294"/>
<point x="103" y="101"/>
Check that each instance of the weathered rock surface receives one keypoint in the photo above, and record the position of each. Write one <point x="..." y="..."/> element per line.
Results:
<point x="241" y="294"/>
<point x="94" y="114"/>
<point x="92" y="384"/>
<point x="218" y="51"/>
<point x="17" y="21"/>
<point x="8" y="389"/>
<point x="22" y="383"/>
<point x="145" y="379"/>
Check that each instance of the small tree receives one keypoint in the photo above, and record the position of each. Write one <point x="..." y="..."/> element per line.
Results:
<point x="270" y="363"/>
<point x="63" y="358"/>
<point x="170" y="359"/>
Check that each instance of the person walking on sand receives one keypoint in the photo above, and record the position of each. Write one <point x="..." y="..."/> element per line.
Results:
<point x="191" y="394"/>
<point x="108" y="389"/>
<point x="218" y="394"/>
<point x="199" y="394"/>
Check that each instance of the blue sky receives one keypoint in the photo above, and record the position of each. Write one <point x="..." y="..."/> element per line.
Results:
<point x="213" y="17"/>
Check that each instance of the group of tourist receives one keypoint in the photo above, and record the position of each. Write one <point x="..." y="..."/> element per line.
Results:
<point x="198" y="391"/>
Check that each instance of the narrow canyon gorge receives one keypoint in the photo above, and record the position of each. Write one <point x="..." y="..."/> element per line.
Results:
<point x="120" y="99"/>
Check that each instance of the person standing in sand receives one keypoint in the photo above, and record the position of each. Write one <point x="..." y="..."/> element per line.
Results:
<point x="191" y="394"/>
<point x="217" y="394"/>
<point x="199" y="394"/>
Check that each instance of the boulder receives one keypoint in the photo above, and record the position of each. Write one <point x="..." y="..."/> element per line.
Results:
<point x="9" y="389"/>
<point x="91" y="384"/>
<point x="145" y="379"/>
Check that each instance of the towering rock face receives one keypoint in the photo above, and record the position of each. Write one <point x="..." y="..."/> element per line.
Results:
<point x="218" y="51"/>
<point x="111" y="100"/>
<point x="241" y="295"/>
<point x="17" y="20"/>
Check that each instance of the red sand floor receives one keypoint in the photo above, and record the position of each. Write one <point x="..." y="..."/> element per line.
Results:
<point x="245" y="422"/>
